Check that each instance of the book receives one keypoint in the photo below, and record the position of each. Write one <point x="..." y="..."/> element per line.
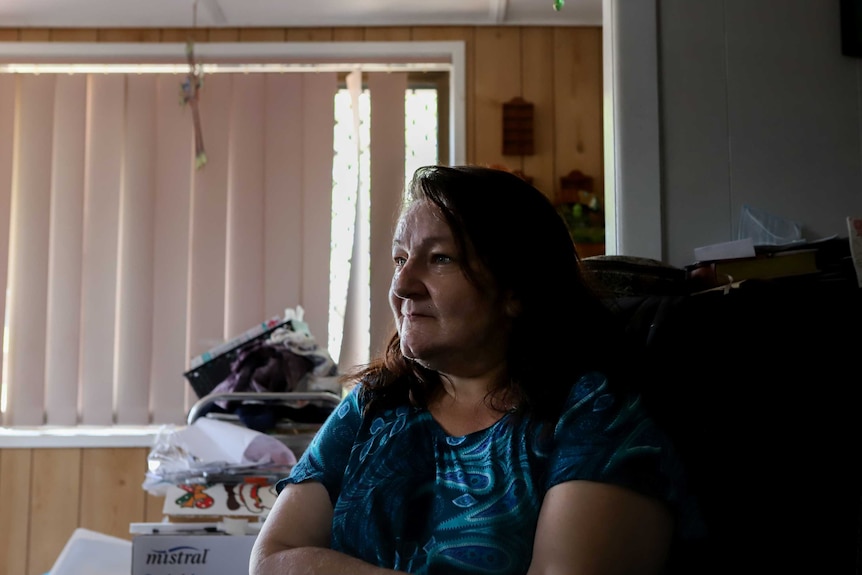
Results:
<point x="854" y="228"/>
<point x="762" y="266"/>
<point x="248" y="335"/>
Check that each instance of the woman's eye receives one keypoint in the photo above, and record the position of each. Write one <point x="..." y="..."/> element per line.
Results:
<point x="399" y="261"/>
<point x="441" y="259"/>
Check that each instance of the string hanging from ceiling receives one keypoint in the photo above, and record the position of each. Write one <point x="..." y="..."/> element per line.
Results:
<point x="190" y="91"/>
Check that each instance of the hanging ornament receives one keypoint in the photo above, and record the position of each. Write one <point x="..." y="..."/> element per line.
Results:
<point x="190" y="95"/>
<point x="558" y="5"/>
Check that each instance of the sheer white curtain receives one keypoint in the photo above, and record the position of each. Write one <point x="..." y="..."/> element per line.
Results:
<point x="368" y="319"/>
<point x="120" y="261"/>
<point x="355" y="332"/>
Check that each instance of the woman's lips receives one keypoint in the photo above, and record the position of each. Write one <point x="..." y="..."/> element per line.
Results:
<point x="415" y="315"/>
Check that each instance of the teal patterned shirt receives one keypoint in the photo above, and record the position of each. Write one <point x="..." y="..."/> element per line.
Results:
<point x="407" y="496"/>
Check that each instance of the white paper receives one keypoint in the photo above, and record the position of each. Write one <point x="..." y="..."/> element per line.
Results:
<point x="214" y="441"/>
<point x="743" y="248"/>
<point x="92" y="553"/>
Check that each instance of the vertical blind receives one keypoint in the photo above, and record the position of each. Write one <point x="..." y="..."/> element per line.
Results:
<point x="120" y="261"/>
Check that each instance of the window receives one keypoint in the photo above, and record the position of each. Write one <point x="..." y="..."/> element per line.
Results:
<point x="119" y="272"/>
<point x="351" y="164"/>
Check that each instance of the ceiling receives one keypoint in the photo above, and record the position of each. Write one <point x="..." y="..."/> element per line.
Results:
<point x="294" y="13"/>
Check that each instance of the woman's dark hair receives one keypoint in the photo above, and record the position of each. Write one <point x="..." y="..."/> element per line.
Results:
<point x="518" y="238"/>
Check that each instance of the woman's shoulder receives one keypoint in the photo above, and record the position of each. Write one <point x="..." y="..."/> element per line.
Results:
<point x="593" y="407"/>
<point x="588" y="385"/>
<point x="609" y="436"/>
<point x="352" y="398"/>
<point x="592" y="392"/>
<point x="358" y="399"/>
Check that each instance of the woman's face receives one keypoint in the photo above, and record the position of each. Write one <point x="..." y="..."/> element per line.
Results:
<point x="445" y="322"/>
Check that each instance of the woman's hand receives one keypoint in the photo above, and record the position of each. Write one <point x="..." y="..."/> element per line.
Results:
<point x="590" y="528"/>
<point x="294" y="538"/>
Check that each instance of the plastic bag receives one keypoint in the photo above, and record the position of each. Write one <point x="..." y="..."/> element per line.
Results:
<point x="765" y="228"/>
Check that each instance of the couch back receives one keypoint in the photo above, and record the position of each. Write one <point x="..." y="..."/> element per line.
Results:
<point x="760" y="385"/>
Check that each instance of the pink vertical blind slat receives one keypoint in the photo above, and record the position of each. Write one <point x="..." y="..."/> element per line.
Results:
<point x="208" y="223"/>
<point x="387" y="187"/>
<point x="173" y="172"/>
<point x="245" y="222"/>
<point x="125" y="261"/>
<point x="318" y="100"/>
<point x="64" y="276"/>
<point x="8" y="91"/>
<point x="105" y="115"/>
<point x="28" y="265"/>
<point x="283" y="163"/>
<point x="135" y="279"/>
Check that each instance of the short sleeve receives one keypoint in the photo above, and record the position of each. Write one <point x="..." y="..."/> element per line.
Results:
<point x="326" y="457"/>
<point x="606" y="437"/>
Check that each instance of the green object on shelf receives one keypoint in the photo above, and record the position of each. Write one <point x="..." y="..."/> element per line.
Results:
<point x="588" y="235"/>
<point x="581" y="221"/>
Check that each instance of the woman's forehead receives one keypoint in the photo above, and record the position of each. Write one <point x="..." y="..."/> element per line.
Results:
<point x="422" y="217"/>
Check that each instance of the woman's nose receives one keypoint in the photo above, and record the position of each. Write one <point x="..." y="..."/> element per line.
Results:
<point x="406" y="282"/>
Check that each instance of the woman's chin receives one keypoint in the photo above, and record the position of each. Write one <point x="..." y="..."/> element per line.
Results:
<point x="408" y="352"/>
<point x="415" y="353"/>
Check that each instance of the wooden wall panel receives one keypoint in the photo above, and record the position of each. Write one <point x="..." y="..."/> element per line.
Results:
<point x="54" y="505"/>
<point x="348" y="34"/>
<point x="34" y="35"/>
<point x="154" y="505"/>
<point x="74" y="35"/>
<point x="387" y="34"/>
<point x="182" y="35"/>
<point x="15" y="476"/>
<point x="537" y="87"/>
<point x="309" y="35"/>
<point x="497" y="79"/>
<point x="45" y="494"/>
<point x="262" y="35"/>
<point x="111" y="492"/>
<point x="130" y="35"/>
<point x="224" y="35"/>
<point x="578" y="103"/>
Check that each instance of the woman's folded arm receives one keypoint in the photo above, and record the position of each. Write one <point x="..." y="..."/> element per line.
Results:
<point x="294" y="539"/>
<point x="590" y="528"/>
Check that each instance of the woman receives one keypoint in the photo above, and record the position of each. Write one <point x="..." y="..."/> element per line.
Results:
<point x="496" y="434"/>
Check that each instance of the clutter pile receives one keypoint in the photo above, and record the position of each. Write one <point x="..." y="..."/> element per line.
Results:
<point x="261" y="398"/>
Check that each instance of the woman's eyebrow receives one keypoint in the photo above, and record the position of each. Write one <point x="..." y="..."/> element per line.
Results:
<point x="424" y="242"/>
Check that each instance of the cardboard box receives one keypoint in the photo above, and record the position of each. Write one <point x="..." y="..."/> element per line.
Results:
<point x="200" y="554"/>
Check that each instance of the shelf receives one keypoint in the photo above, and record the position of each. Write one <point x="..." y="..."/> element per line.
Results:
<point x="587" y="250"/>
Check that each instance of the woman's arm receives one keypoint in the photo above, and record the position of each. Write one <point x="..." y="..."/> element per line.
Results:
<point x="590" y="528"/>
<point x="294" y="538"/>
